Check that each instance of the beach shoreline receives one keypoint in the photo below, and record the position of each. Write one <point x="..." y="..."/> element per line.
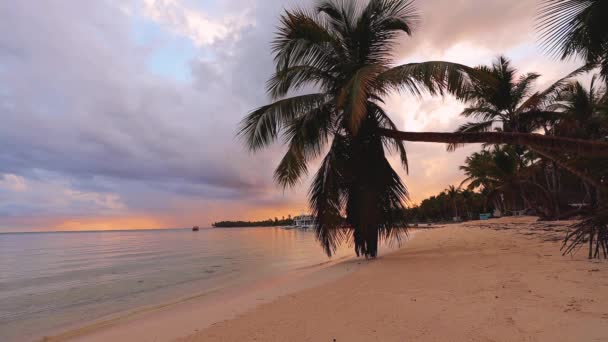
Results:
<point x="498" y="280"/>
<point x="195" y="311"/>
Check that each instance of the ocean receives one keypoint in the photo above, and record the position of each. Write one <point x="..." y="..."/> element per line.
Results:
<point x="55" y="280"/>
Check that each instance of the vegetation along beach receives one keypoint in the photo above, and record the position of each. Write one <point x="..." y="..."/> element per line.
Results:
<point x="348" y="170"/>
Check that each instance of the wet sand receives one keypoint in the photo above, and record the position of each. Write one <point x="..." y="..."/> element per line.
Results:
<point x="497" y="280"/>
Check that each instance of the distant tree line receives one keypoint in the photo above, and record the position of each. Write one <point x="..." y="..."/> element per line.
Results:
<point x="265" y="223"/>
<point x="453" y="202"/>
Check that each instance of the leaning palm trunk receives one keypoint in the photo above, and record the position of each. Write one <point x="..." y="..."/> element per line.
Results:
<point x="551" y="143"/>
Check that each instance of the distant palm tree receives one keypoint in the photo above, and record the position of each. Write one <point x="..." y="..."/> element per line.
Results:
<point x="509" y="104"/>
<point x="583" y="112"/>
<point x="576" y="28"/>
<point x="453" y="194"/>
<point x="338" y="60"/>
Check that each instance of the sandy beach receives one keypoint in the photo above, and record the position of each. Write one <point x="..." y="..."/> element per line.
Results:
<point x="460" y="283"/>
<point x="498" y="280"/>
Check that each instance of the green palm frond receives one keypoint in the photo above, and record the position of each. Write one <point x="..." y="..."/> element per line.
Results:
<point x="341" y="14"/>
<point x="433" y="77"/>
<point x="296" y="77"/>
<point x="550" y="95"/>
<point x="353" y="98"/>
<point x="327" y="195"/>
<point x="482" y="111"/>
<point x="380" y="23"/>
<point x="306" y="136"/>
<point x="262" y="126"/>
<point x="304" y="39"/>
<point x="521" y="90"/>
<point x="392" y="145"/>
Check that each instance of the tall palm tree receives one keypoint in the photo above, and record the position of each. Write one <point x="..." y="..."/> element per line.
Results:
<point x="333" y="67"/>
<point x="576" y="28"/>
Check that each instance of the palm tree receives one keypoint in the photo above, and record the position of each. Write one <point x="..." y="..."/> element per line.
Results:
<point x="583" y="112"/>
<point x="453" y="194"/>
<point x="500" y="173"/>
<point x="509" y="104"/>
<point x="576" y="28"/>
<point x="337" y="61"/>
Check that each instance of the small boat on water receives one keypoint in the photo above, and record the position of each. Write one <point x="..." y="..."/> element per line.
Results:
<point x="195" y="229"/>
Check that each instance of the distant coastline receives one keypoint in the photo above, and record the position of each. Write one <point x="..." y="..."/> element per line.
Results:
<point x="246" y="224"/>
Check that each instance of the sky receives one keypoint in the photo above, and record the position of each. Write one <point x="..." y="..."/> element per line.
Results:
<point x="123" y="114"/>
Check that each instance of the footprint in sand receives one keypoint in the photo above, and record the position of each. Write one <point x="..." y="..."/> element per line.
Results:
<point x="573" y="305"/>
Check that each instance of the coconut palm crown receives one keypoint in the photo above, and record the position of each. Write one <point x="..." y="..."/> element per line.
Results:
<point x="510" y="100"/>
<point x="334" y="66"/>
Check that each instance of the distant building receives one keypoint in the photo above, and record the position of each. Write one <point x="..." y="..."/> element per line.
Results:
<point x="304" y="221"/>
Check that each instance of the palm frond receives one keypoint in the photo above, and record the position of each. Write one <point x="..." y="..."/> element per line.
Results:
<point x="482" y="111"/>
<point x="327" y="196"/>
<point x="551" y="93"/>
<point x="385" y="121"/>
<point x="295" y="77"/>
<point x="523" y="86"/>
<point x="354" y="96"/>
<point x="380" y="23"/>
<point x="304" y="39"/>
<point x="262" y="126"/>
<point x="434" y="77"/>
<point x="562" y="28"/>
<point x="306" y="136"/>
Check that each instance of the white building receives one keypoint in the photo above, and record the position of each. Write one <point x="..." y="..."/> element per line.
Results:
<point x="304" y="221"/>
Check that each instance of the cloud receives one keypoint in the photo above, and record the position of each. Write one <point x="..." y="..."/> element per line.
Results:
<point x="91" y="132"/>
<point x="194" y="24"/>
<point x="50" y="195"/>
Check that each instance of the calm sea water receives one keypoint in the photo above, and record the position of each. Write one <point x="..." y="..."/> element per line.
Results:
<point x="53" y="280"/>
